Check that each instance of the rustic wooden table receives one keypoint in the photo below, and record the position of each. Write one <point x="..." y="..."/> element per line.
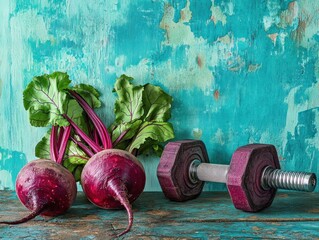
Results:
<point x="211" y="216"/>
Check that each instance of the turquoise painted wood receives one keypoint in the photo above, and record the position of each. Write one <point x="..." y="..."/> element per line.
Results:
<point x="239" y="71"/>
<point x="211" y="216"/>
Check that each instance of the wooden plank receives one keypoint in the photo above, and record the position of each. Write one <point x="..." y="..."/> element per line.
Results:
<point x="211" y="216"/>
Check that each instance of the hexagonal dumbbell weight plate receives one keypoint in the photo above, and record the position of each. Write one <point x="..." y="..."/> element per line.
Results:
<point x="173" y="169"/>
<point x="244" y="176"/>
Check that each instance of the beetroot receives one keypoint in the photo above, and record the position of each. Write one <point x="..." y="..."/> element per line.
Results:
<point x="113" y="179"/>
<point x="45" y="188"/>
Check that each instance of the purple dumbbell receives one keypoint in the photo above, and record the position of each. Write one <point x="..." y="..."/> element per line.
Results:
<point x="252" y="177"/>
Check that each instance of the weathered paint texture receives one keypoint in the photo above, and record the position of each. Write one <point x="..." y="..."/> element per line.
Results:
<point x="10" y="164"/>
<point x="211" y="216"/>
<point x="239" y="71"/>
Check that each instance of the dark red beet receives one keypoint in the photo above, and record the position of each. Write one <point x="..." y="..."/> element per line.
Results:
<point x="113" y="179"/>
<point x="45" y="188"/>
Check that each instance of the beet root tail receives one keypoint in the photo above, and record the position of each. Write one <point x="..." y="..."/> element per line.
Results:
<point x="129" y="211"/>
<point x="120" y="194"/>
<point x="24" y="219"/>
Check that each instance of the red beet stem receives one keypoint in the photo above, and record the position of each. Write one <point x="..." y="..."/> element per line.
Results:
<point x="83" y="147"/>
<point x="82" y="134"/>
<point x="26" y="218"/>
<point x="122" y="135"/>
<point x="96" y="136"/>
<point x="53" y="144"/>
<point x="64" y="142"/>
<point x="120" y="194"/>
<point x="60" y="135"/>
<point x="102" y="131"/>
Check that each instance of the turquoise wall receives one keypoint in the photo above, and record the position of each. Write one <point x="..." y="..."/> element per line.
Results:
<point x="239" y="71"/>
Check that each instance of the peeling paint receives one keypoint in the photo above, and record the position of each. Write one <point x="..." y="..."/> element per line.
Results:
<point x="180" y="33"/>
<point x="6" y="180"/>
<point x="301" y="132"/>
<point x="255" y="228"/>
<point x="216" y="94"/>
<point x="299" y="20"/>
<point x="308" y="24"/>
<point x="197" y="133"/>
<point x="289" y="17"/>
<point x="295" y="108"/>
<point x="314" y="210"/>
<point x="177" y="33"/>
<point x="253" y="67"/>
<point x="219" y="15"/>
<point x="267" y="21"/>
<point x="220" y="137"/>
<point x="236" y="64"/>
<point x="186" y="13"/>
<point x="273" y="37"/>
<point x="227" y="39"/>
<point x="200" y="61"/>
<point x="160" y="213"/>
<point x="299" y="33"/>
<point x="10" y="164"/>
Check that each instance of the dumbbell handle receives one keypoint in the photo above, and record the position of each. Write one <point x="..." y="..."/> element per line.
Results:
<point x="270" y="178"/>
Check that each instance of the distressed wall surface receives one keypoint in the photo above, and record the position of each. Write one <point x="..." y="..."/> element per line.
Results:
<point x="239" y="71"/>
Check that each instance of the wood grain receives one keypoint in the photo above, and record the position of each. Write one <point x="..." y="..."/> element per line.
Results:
<point x="211" y="216"/>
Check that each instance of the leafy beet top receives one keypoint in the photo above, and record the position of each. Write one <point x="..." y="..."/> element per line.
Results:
<point x="77" y="133"/>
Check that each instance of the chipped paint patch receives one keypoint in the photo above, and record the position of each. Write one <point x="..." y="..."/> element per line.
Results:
<point x="217" y="14"/>
<point x="301" y="135"/>
<point x="299" y="33"/>
<point x="216" y="94"/>
<point x="307" y="28"/>
<point x="273" y="38"/>
<point x="177" y="33"/>
<point x="299" y="21"/>
<point x="6" y="181"/>
<point x="253" y="67"/>
<point x="314" y="210"/>
<point x="289" y="17"/>
<point x="268" y="22"/>
<point x="200" y="61"/>
<point x="220" y="137"/>
<point x="220" y="15"/>
<point x="295" y="108"/>
<point x="227" y="39"/>
<point x="91" y="217"/>
<point x="255" y="228"/>
<point x="252" y="217"/>
<point x="236" y="64"/>
<point x="160" y="213"/>
<point x="186" y="13"/>
<point x="187" y="77"/>
<point x="197" y="133"/>
<point x="283" y="195"/>
<point x="11" y="163"/>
